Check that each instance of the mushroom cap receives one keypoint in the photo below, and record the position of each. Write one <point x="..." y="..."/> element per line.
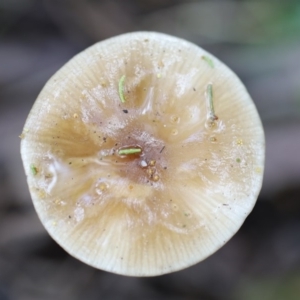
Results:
<point x="194" y="180"/>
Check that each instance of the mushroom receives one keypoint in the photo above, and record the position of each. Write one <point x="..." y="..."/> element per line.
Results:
<point x="144" y="154"/>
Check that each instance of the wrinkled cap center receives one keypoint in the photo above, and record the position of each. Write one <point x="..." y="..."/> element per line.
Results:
<point x="139" y="157"/>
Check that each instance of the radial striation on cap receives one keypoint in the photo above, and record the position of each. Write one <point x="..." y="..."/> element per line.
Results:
<point x="144" y="154"/>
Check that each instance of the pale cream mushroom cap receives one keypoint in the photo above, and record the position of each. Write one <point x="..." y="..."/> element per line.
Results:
<point x="179" y="200"/>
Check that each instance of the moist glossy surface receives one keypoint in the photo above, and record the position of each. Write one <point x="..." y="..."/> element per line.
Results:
<point x="178" y="200"/>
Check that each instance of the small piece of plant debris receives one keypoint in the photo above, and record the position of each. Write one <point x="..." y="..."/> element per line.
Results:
<point x="129" y="151"/>
<point x="208" y="60"/>
<point x="33" y="169"/>
<point x="209" y="96"/>
<point x="121" y="88"/>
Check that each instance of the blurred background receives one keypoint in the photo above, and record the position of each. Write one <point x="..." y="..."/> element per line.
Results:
<point x="260" y="41"/>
